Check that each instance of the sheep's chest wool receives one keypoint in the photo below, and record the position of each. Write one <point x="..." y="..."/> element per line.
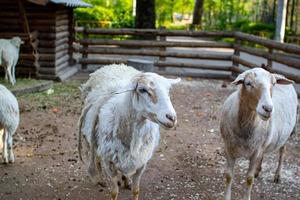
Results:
<point x="124" y="140"/>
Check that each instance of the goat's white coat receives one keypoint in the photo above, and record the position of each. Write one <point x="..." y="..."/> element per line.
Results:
<point x="9" y="121"/>
<point x="256" y="136"/>
<point x="126" y="133"/>
<point x="9" y="55"/>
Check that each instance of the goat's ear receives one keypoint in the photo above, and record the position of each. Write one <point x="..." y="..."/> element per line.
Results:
<point x="174" y="81"/>
<point x="279" y="79"/>
<point x="239" y="79"/>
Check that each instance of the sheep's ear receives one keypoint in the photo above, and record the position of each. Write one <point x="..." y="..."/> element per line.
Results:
<point x="279" y="79"/>
<point x="174" y="81"/>
<point x="239" y="79"/>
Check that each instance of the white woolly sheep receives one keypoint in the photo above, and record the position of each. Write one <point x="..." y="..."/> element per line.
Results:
<point x="120" y="121"/>
<point x="9" y="121"/>
<point x="9" y="55"/>
<point x="256" y="119"/>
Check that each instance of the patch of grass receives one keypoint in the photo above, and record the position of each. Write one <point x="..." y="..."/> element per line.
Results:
<point x="59" y="95"/>
<point x="21" y="83"/>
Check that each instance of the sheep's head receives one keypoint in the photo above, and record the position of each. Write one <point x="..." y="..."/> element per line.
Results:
<point x="17" y="41"/>
<point x="257" y="85"/>
<point x="151" y="98"/>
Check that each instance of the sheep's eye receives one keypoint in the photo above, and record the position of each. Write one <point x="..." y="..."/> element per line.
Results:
<point x="143" y="90"/>
<point x="249" y="84"/>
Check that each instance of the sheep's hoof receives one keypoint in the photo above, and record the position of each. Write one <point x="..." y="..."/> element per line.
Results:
<point x="256" y="174"/>
<point x="277" y="178"/>
<point x="11" y="159"/>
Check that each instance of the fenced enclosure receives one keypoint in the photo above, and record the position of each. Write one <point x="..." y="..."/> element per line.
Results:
<point x="243" y="51"/>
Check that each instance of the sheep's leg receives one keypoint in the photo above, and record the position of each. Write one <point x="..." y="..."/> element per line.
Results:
<point x="258" y="168"/>
<point x="126" y="182"/>
<point x="113" y="174"/>
<point x="115" y="189"/>
<point x="10" y="76"/>
<point x="250" y="174"/>
<point x="229" y="176"/>
<point x="279" y="167"/>
<point x="136" y="182"/>
<point x="13" y="71"/>
<point x="11" y="157"/>
<point x="4" y="152"/>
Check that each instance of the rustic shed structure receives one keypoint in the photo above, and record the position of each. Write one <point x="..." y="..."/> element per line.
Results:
<point x="47" y="27"/>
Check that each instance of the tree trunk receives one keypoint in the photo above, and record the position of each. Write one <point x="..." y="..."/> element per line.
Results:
<point x="280" y="20"/>
<point x="145" y="14"/>
<point x="198" y="11"/>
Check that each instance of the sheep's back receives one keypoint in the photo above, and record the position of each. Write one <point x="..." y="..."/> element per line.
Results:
<point x="109" y="78"/>
<point x="284" y="116"/>
<point x="9" y="109"/>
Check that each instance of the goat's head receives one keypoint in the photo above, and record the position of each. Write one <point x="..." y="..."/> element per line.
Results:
<point x="257" y="86"/>
<point x="17" y="41"/>
<point x="151" y="98"/>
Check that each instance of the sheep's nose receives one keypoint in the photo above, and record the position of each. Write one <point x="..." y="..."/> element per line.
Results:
<point x="172" y="118"/>
<point x="267" y="108"/>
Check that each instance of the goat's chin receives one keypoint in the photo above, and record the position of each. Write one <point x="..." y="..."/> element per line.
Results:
<point x="165" y="125"/>
<point x="264" y="117"/>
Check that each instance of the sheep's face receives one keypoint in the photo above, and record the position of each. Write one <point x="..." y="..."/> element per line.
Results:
<point x="153" y="101"/>
<point x="17" y="41"/>
<point x="257" y="86"/>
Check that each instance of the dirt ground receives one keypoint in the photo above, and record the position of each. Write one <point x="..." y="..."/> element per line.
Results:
<point x="188" y="164"/>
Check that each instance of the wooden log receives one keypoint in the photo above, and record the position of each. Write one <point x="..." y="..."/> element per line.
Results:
<point x="237" y="43"/>
<point x="54" y="35"/>
<point x="143" y="43"/>
<point x="155" y="32"/>
<point x="45" y="43"/>
<point x="246" y="63"/>
<point x="155" y="53"/>
<point x="197" y="75"/>
<point x="101" y="61"/>
<point x="293" y="77"/>
<point x="278" y="57"/>
<point x="192" y="65"/>
<point x="289" y="48"/>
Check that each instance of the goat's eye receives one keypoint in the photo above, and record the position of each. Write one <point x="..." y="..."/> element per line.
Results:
<point x="143" y="90"/>
<point x="249" y="84"/>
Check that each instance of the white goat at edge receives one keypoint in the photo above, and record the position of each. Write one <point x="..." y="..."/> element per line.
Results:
<point x="120" y="121"/>
<point x="9" y="55"/>
<point x="9" y="121"/>
<point x="256" y="119"/>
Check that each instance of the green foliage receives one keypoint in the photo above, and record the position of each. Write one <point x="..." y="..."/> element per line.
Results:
<point x="106" y="13"/>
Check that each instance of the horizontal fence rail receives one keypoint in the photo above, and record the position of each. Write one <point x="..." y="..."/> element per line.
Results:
<point x="159" y="49"/>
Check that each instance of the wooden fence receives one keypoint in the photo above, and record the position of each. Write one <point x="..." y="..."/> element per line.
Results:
<point x="271" y="51"/>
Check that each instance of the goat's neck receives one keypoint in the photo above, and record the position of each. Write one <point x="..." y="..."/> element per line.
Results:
<point x="126" y="111"/>
<point x="246" y="109"/>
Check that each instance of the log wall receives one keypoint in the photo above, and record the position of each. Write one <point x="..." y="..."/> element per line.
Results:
<point x="53" y="25"/>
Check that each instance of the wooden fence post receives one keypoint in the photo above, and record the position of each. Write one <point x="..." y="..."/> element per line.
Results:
<point x="270" y="61"/>
<point x="85" y="46"/>
<point x="237" y="44"/>
<point x="162" y="49"/>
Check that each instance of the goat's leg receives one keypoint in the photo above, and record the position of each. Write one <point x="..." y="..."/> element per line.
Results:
<point x="11" y="157"/>
<point x="279" y="167"/>
<point x="136" y="182"/>
<point x="126" y="182"/>
<point x="254" y="160"/>
<point x="9" y="75"/>
<point x="113" y="174"/>
<point x="13" y="71"/>
<point x="115" y="189"/>
<point x="259" y="167"/>
<point x="4" y="152"/>
<point x="229" y="176"/>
